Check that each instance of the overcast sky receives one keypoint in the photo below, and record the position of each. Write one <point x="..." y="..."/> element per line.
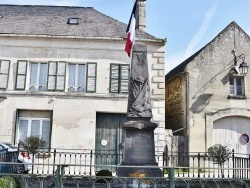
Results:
<point x="188" y="25"/>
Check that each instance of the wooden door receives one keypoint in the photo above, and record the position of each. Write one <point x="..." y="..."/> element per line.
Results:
<point x="109" y="138"/>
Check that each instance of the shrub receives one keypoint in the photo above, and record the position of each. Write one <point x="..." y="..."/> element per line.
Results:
<point x="5" y="181"/>
<point x="104" y="173"/>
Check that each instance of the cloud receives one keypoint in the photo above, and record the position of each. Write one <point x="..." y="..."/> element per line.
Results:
<point x="197" y="38"/>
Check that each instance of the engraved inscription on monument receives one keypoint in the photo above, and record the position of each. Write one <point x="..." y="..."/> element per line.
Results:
<point x="139" y="148"/>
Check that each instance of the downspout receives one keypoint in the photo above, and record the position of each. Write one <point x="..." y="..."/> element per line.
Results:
<point x="205" y="133"/>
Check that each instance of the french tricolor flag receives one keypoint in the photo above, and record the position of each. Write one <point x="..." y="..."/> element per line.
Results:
<point x="131" y="31"/>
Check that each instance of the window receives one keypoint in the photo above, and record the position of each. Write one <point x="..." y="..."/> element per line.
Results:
<point x="73" y="21"/>
<point x="236" y="86"/>
<point x="4" y="73"/>
<point x="51" y="76"/>
<point x="76" y="80"/>
<point x="38" y="76"/>
<point x="34" y="123"/>
<point x="119" y="78"/>
<point x="82" y="77"/>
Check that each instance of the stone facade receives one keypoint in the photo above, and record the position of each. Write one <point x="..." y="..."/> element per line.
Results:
<point x="208" y="76"/>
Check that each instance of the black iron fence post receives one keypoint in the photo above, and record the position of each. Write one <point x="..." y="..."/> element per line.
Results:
<point x="54" y="161"/>
<point x="90" y="166"/>
<point x="199" y="157"/>
<point x="233" y="163"/>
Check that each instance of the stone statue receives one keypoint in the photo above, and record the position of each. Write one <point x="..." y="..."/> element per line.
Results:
<point x="139" y="104"/>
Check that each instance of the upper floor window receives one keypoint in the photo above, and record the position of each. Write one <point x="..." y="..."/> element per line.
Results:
<point x="81" y="77"/>
<point x="4" y="73"/>
<point x="76" y="80"/>
<point x="119" y="78"/>
<point x="52" y="76"/>
<point x="38" y="76"/>
<point x="236" y="86"/>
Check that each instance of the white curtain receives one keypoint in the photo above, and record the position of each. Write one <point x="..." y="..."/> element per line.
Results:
<point x="33" y="74"/>
<point x="23" y="129"/>
<point x="72" y="75"/>
<point x="81" y="76"/>
<point x="35" y="128"/>
<point x="43" y="75"/>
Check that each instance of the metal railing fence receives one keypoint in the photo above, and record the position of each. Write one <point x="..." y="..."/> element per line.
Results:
<point x="84" y="162"/>
<point x="170" y="179"/>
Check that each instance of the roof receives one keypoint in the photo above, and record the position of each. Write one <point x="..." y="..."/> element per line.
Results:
<point x="52" y="21"/>
<point x="181" y="67"/>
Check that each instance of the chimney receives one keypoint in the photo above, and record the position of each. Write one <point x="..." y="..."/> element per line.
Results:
<point x="141" y="13"/>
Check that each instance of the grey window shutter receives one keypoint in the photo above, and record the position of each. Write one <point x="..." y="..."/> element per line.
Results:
<point x="124" y="78"/>
<point x="60" y="80"/>
<point x="21" y="75"/>
<point x="56" y="76"/>
<point x="52" y="76"/>
<point x="91" y="77"/>
<point x="114" y="78"/>
<point x="4" y="73"/>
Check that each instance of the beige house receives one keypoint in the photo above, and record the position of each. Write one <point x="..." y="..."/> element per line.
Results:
<point x="64" y="77"/>
<point x="207" y="95"/>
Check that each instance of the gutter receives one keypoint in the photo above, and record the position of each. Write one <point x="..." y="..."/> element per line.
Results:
<point x="79" y="37"/>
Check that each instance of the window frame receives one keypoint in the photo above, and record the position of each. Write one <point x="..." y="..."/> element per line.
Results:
<point x="235" y="87"/>
<point x="76" y="78"/>
<point x="33" y="115"/>
<point x="38" y="76"/>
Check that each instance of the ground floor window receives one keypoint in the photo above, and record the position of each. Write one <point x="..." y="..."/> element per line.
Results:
<point x="34" y="123"/>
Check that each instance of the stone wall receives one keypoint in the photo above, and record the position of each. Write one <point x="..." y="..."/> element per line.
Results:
<point x="175" y="104"/>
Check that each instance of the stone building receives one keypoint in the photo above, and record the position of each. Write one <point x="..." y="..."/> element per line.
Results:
<point x="64" y="77"/>
<point x="207" y="96"/>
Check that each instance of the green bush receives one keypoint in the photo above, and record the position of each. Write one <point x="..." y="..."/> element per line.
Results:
<point x="104" y="173"/>
<point x="5" y="181"/>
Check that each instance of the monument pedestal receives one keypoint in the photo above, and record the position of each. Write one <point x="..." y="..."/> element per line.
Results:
<point x="139" y="150"/>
